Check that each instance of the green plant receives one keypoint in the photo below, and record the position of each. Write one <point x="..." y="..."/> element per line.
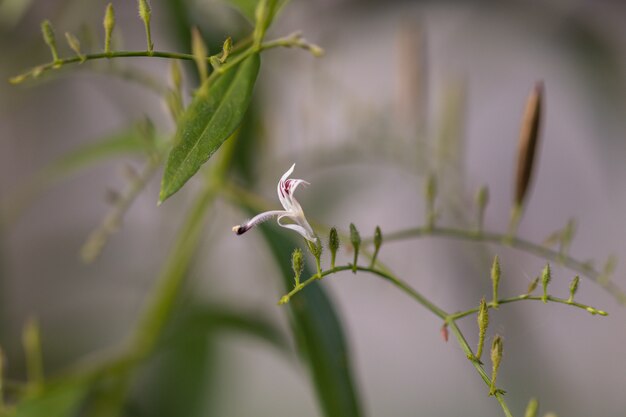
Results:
<point x="212" y="122"/>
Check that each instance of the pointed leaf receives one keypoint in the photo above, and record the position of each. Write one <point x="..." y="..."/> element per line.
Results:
<point x="319" y="334"/>
<point x="214" y="114"/>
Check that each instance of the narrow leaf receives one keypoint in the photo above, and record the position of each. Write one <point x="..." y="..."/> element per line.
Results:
<point x="214" y="114"/>
<point x="248" y="7"/>
<point x="319" y="333"/>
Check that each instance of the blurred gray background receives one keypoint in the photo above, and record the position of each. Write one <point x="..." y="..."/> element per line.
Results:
<point x="363" y="124"/>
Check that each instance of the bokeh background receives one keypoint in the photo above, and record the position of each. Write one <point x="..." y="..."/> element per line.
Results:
<point x="405" y="88"/>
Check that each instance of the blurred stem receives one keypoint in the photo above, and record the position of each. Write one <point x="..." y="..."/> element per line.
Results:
<point x="161" y="304"/>
<point x="162" y="301"/>
<point x="510" y="241"/>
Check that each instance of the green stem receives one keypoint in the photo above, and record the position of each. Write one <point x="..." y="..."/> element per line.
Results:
<point x="481" y="371"/>
<point x="174" y="272"/>
<point x="510" y="241"/>
<point x="383" y="274"/>
<point x="290" y="41"/>
<point x="587" y="308"/>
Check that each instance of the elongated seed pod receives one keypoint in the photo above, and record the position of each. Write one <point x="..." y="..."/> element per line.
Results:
<point x="528" y="140"/>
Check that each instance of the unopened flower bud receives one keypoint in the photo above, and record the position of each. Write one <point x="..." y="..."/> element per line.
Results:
<point x="573" y="287"/>
<point x="333" y="245"/>
<point x="145" y="13"/>
<point x="226" y="48"/>
<point x="355" y="239"/>
<point x="49" y="38"/>
<point x="74" y="45"/>
<point x="482" y="199"/>
<point x="378" y="241"/>
<point x="496" y="358"/>
<point x="444" y="332"/>
<point x="532" y="286"/>
<point x="546" y="277"/>
<point x="109" y="24"/>
<point x="495" y="279"/>
<point x="531" y="408"/>
<point x="297" y="264"/>
<point x="483" y="323"/>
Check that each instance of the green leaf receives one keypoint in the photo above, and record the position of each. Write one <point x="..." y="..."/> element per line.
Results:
<point x="58" y="400"/>
<point x="319" y="334"/>
<point x="248" y="8"/>
<point x="214" y="114"/>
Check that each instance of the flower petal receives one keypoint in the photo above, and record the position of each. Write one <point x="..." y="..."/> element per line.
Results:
<point x="258" y="219"/>
<point x="301" y="226"/>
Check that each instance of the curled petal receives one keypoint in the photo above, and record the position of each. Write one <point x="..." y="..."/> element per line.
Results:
<point x="301" y="226"/>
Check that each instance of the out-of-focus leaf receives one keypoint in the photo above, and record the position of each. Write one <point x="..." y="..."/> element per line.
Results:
<point x="319" y="335"/>
<point x="129" y="142"/>
<point x="248" y="7"/>
<point x="212" y="319"/>
<point x="215" y="112"/>
<point x="179" y="380"/>
<point x="123" y="143"/>
<point x="59" y="400"/>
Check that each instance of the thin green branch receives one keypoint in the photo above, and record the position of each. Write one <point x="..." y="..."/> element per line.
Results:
<point x="449" y="318"/>
<point x="499" y="394"/>
<point x="110" y="224"/>
<point x="523" y="297"/>
<point x="288" y="41"/>
<point x="513" y="242"/>
<point x="383" y="274"/>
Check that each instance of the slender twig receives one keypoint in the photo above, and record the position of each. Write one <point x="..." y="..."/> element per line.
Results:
<point x="383" y="274"/>
<point x="510" y="241"/>
<point x="403" y="286"/>
<point x="110" y="224"/>
<point x="288" y="41"/>
<point x="523" y="297"/>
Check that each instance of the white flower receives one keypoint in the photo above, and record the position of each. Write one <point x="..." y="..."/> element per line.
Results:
<point x="286" y="187"/>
